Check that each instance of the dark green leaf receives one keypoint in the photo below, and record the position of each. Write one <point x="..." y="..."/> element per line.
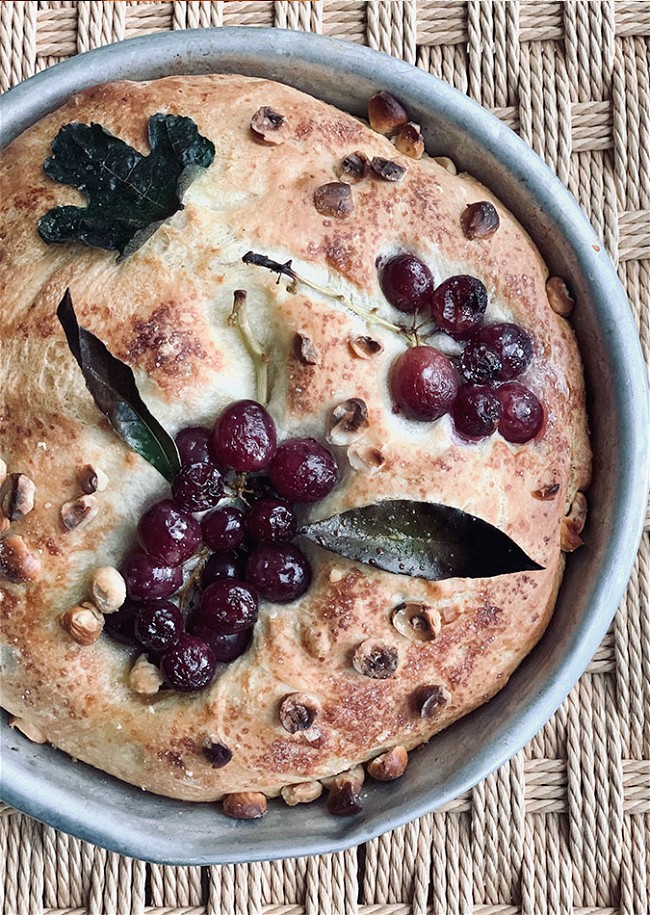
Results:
<point x="421" y="539"/>
<point x="114" y="391"/>
<point x="130" y="195"/>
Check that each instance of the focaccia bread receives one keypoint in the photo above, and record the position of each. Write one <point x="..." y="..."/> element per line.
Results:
<point x="164" y="311"/>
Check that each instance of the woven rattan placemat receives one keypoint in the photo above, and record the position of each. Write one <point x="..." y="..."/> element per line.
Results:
<point x="565" y="826"/>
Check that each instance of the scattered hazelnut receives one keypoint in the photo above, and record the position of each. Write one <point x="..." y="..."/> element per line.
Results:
<point x="302" y="793"/>
<point x="216" y="753"/>
<point x="269" y="126"/>
<point x="479" y="220"/>
<point x="559" y="297"/>
<point x="365" y="347"/>
<point x="448" y="164"/>
<point x="408" y="140"/>
<point x="3" y="471"/>
<point x="356" y="775"/>
<point x="388" y="766"/>
<point x="417" y="621"/>
<point x="92" y="479"/>
<point x="305" y="351"/>
<point x="79" y="512"/>
<point x="334" y="199"/>
<point x="388" y="169"/>
<point x="385" y="113"/>
<point x="84" y="623"/>
<point x="376" y="659"/>
<point x="245" y="805"/>
<point x="428" y="700"/>
<point x="344" y="790"/>
<point x="354" y="168"/>
<point x="573" y="524"/>
<point x="546" y="493"/>
<point x="107" y="589"/>
<point x="365" y="458"/>
<point x="17" y="496"/>
<point x="145" y="678"/>
<point x="298" y="711"/>
<point x="349" y="422"/>
<point x="28" y="729"/>
<point x="17" y="562"/>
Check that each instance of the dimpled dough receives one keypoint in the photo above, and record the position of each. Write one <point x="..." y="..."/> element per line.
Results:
<point x="164" y="311"/>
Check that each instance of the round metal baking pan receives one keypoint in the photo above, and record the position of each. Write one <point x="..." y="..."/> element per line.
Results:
<point x="80" y="800"/>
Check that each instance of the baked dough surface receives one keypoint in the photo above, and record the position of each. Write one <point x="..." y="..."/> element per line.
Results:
<point x="164" y="311"/>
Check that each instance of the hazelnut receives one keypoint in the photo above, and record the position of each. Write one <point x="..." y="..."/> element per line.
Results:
<point x="354" y="168"/>
<point x="17" y="562"/>
<point x="546" y="493"/>
<point x="17" y="496"/>
<point x="573" y="524"/>
<point x="79" y="512"/>
<point x="28" y="729"/>
<point x="365" y="347"/>
<point x="145" y="678"/>
<point x="448" y="164"/>
<point x="344" y="790"/>
<point x="92" y="479"/>
<point x="479" y="220"/>
<point x="334" y="199"/>
<point x="245" y="805"/>
<point x="304" y="350"/>
<point x="356" y="775"/>
<point x="298" y="711"/>
<point x="303" y="793"/>
<point x="428" y="700"/>
<point x="216" y="753"/>
<point x="269" y="126"/>
<point x="365" y="458"/>
<point x="408" y="140"/>
<point x="559" y="297"/>
<point x="84" y="623"/>
<point x="3" y="471"/>
<point x="385" y="113"/>
<point x="388" y="766"/>
<point x="388" y="169"/>
<point x="376" y="659"/>
<point x="349" y="422"/>
<point x="107" y="589"/>
<point x="416" y="620"/>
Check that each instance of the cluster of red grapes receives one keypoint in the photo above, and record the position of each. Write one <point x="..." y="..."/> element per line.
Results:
<point x="246" y="531"/>
<point x="480" y="391"/>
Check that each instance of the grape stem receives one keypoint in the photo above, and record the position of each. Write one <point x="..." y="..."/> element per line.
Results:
<point x="193" y="578"/>
<point x="239" y="319"/>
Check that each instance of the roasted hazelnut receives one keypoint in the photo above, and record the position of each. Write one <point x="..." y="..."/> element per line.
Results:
<point x="344" y="791"/>
<point x="18" y="563"/>
<point x="305" y="351"/>
<point x="298" y="711"/>
<point x="3" y="471"/>
<point x="356" y="775"/>
<point x="145" y="678"/>
<point x="79" y="512"/>
<point x="385" y="113"/>
<point x="107" y="589"/>
<point x="388" y="169"/>
<point x="428" y="700"/>
<point x="92" y="479"/>
<point x="302" y="793"/>
<point x="376" y="659"/>
<point x="334" y="199"/>
<point x="216" y="753"/>
<point x="349" y="421"/>
<point x="28" y="729"/>
<point x="388" y="766"/>
<point x="354" y="168"/>
<point x="559" y="297"/>
<point x="416" y="620"/>
<point x="245" y="805"/>
<point x="448" y="164"/>
<point x="573" y="524"/>
<point x="365" y="347"/>
<point x="17" y="496"/>
<point x="269" y="126"/>
<point x="365" y="458"/>
<point x="84" y="623"/>
<point x="546" y="493"/>
<point x="479" y="220"/>
<point x="408" y="140"/>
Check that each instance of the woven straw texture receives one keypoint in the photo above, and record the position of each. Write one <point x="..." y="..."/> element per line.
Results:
<point x="565" y="826"/>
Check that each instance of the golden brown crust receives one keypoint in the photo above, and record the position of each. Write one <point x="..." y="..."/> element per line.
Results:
<point x="164" y="311"/>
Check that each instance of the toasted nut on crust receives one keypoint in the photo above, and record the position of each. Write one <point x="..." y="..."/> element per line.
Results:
<point x="385" y="113"/>
<point x="79" y="512"/>
<point x="353" y="168"/>
<point x="305" y="351"/>
<point x="428" y="700"/>
<point x="84" y="623"/>
<point x="17" y="496"/>
<point x="573" y="524"/>
<point x="334" y="199"/>
<point x="416" y="620"/>
<point x="388" y="169"/>
<point x="479" y="220"/>
<point x="107" y="589"/>
<point x="298" y="711"/>
<point x="365" y="347"/>
<point x="17" y="562"/>
<point x="30" y="731"/>
<point x="408" y="140"/>
<point x="92" y="479"/>
<point x="365" y="458"/>
<point x="303" y="793"/>
<point x="376" y="659"/>
<point x="216" y="753"/>
<point x="145" y="678"/>
<point x="448" y="164"/>
<point x="389" y="765"/>
<point x="245" y="805"/>
<point x="349" y="422"/>
<point x="270" y="126"/>
<point x="344" y="790"/>
<point x="559" y="297"/>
